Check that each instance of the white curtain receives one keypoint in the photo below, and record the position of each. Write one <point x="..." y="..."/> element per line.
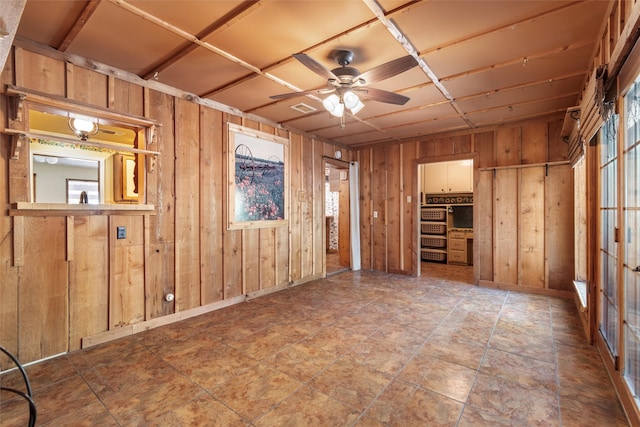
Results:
<point x="354" y="213"/>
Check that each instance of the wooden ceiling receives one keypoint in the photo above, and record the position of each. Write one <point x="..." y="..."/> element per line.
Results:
<point x="481" y="63"/>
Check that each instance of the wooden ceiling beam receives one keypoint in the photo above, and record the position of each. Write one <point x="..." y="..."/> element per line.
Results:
<point x="80" y="23"/>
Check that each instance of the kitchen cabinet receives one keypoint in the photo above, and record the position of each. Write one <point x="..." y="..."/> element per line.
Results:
<point x="460" y="247"/>
<point x="448" y="177"/>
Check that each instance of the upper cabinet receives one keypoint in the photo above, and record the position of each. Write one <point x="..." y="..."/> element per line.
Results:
<point x="448" y="177"/>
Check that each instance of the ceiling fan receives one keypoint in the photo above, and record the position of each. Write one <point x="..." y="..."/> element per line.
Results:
<point x="344" y="79"/>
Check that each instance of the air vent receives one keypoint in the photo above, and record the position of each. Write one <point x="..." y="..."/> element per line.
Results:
<point x="303" y="108"/>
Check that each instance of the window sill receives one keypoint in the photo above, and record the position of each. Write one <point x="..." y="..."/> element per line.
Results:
<point x="581" y="291"/>
<point x="63" y="209"/>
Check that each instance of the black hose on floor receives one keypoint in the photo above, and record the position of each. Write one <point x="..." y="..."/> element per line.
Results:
<point x="28" y="396"/>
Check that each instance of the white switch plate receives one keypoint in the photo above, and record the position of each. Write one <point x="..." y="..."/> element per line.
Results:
<point x="408" y="199"/>
<point x="375" y="214"/>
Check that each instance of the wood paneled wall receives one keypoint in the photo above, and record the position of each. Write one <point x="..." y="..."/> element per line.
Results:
<point x="523" y="198"/>
<point x="66" y="279"/>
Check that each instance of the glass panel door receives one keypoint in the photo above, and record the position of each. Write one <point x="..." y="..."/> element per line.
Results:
<point x="609" y="313"/>
<point x="632" y="239"/>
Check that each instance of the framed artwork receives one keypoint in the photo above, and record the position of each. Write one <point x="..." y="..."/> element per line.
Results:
<point x="258" y="179"/>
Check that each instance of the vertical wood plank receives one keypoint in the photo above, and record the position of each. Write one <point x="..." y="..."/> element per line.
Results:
<point x="461" y="144"/>
<point x="160" y="265"/>
<point x="394" y="193"/>
<point x="187" y="183"/>
<point x="535" y="143"/>
<point x="366" y="207"/>
<point x="427" y="149"/>
<point x="211" y="184"/>
<point x="43" y="327"/>
<point x="126" y="96"/>
<point x="558" y="148"/>
<point x="559" y="233"/>
<point x="508" y="146"/>
<point x="89" y="279"/>
<point x="317" y="191"/>
<point x="267" y="250"/>
<point x="532" y="228"/>
<point x="298" y="198"/>
<point x="409" y="208"/>
<point x="307" y="208"/>
<point x="379" y="218"/>
<point x="505" y="228"/>
<point x="40" y="73"/>
<point x="483" y="225"/>
<point x="86" y="86"/>
<point x="443" y="147"/>
<point x="231" y="239"/>
<point x="485" y="147"/>
<point x="126" y="288"/>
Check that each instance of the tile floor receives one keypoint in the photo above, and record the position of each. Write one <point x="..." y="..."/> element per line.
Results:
<point x="363" y="349"/>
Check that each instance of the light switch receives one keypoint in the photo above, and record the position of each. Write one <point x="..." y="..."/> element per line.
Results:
<point x="408" y="199"/>
<point x="375" y="214"/>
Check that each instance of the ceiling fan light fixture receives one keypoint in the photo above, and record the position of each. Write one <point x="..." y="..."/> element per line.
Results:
<point x="352" y="102"/>
<point x="333" y="105"/>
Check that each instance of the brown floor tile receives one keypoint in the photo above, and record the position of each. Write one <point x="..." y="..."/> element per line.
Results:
<point x="448" y="379"/>
<point x="380" y="356"/>
<point x="351" y="383"/>
<point x="454" y="350"/>
<point x="403" y="404"/>
<point x="146" y="401"/>
<point x="308" y="407"/>
<point x="203" y="411"/>
<point x="577" y="414"/>
<point x="53" y="402"/>
<point x="254" y="392"/>
<point x="520" y="369"/>
<point x="520" y="405"/>
<point x="301" y="361"/>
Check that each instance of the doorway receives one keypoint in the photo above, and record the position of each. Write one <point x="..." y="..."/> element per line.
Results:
<point x="445" y="218"/>
<point x="337" y="222"/>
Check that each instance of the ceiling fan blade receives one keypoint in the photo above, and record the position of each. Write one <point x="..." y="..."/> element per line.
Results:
<point x="315" y="66"/>
<point x="389" y="69"/>
<point x="383" y="96"/>
<point x="304" y="92"/>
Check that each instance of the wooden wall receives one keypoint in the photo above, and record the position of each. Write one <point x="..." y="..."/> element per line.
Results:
<point x="65" y="279"/>
<point x="523" y="198"/>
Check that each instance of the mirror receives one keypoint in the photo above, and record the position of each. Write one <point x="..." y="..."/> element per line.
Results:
<point x="58" y="179"/>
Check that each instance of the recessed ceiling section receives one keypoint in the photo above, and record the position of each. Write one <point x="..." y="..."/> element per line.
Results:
<point x="47" y="22"/>
<point x="210" y="68"/>
<point x="252" y="93"/>
<point x="277" y="29"/>
<point x="133" y="44"/>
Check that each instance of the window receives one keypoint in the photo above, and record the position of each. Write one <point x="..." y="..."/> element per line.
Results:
<point x="631" y="239"/>
<point x="69" y="148"/>
<point x="609" y="313"/>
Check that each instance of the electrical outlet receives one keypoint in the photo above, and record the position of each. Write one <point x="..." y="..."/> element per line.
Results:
<point x="375" y="214"/>
<point x="121" y="232"/>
